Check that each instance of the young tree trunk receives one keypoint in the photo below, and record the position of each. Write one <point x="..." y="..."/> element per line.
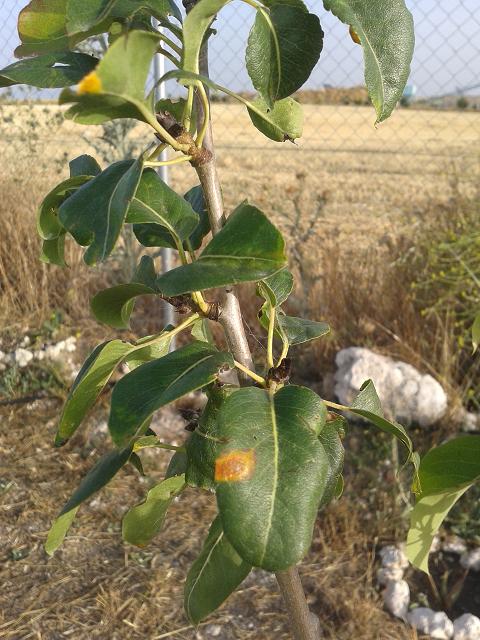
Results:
<point x="304" y="624"/>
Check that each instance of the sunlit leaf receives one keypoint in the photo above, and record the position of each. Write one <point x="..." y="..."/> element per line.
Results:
<point x="105" y="94"/>
<point x="476" y="333"/>
<point x="143" y="522"/>
<point x="286" y="116"/>
<point x="385" y="31"/>
<point x="445" y="473"/>
<point x="99" y="14"/>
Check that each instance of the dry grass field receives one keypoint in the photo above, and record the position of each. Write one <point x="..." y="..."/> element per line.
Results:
<point x="346" y="213"/>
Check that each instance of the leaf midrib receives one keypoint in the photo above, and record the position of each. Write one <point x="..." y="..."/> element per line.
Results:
<point x="275" y="475"/>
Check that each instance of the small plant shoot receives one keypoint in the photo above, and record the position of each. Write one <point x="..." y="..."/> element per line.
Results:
<point x="270" y="450"/>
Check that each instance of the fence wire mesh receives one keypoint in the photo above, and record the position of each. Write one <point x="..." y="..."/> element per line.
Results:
<point x="440" y="112"/>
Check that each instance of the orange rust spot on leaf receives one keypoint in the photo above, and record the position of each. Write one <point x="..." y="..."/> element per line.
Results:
<point x="91" y="83"/>
<point x="235" y="466"/>
<point x="354" y="36"/>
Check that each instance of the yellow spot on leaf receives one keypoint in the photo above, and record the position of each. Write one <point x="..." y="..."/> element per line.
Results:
<point x="354" y="36"/>
<point x="235" y="466"/>
<point x="91" y="83"/>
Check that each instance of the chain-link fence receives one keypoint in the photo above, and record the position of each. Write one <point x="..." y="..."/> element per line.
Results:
<point x="440" y="111"/>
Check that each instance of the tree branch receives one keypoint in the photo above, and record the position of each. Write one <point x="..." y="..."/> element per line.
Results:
<point x="304" y="624"/>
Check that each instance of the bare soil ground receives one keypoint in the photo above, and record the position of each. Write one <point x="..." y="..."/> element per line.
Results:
<point x="95" y="586"/>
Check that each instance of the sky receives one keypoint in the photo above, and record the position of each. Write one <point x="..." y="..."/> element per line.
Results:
<point x="447" y="54"/>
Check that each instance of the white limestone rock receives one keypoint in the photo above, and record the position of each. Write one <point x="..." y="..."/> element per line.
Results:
<point x="406" y="395"/>
<point x="436" y="624"/>
<point x="471" y="560"/>
<point x="389" y="574"/>
<point x="466" y="627"/>
<point x="456" y="545"/>
<point x="23" y="357"/>
<point x="396" y="598"/>
<point x="393" y="557"/>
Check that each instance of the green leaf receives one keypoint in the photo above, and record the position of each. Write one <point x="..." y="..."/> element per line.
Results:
<point x="49" y="71"/>
<point x="143" y="522"/>
<point x="41" y="28"/>
<point x="160" y="216"/>
<point x="367" y="405"/>
<point x="451" y="465"/>
<point x="214" y="575"/>
<point x="114" y="306"/>
<point x="425" y="521"/>
<point x="53" y="251"/>
<point x="276" y="289"/>
<point x="195" y="197"/>
<point x="89" y="383"/>
<point x="97" y="370"/>
<point x="98" y="15"/>
<point x="177" y="465"/>
<point x="274" y="125"/>
<point x="158" y="235"/>
<point x="84" y="165"/>
<point x="154" y="384"/>
<point x="306" y="405"/>
<point x="152" y="351"/>
<point x="446" y="472"/>
<point x="48" y="224"/>
<point x="95" y="213"/>
<point x="248" y="248"/>
<point x="286" y="114"/>
<point x="293" y="330"/>
<point x="271" y="473"/>
<point x="58" y="25"/>
<point x="299" y="330"/>
<point x="100" y="475"/>
<point x="283" y="47"/>
<point x="201" y="331"/>
<point x="202" y="446"/>
<point x="476" y="333"/>
<point x="387" y="36"/>
<point x="136" y="462"/>
<point x="145" y="272"/>
<point x="105" y="94"/>
<point x="59" y="530"/>
<point x="195" y="27"/>
<point x="148" y="442"/>
<point x="331" y="438"/>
